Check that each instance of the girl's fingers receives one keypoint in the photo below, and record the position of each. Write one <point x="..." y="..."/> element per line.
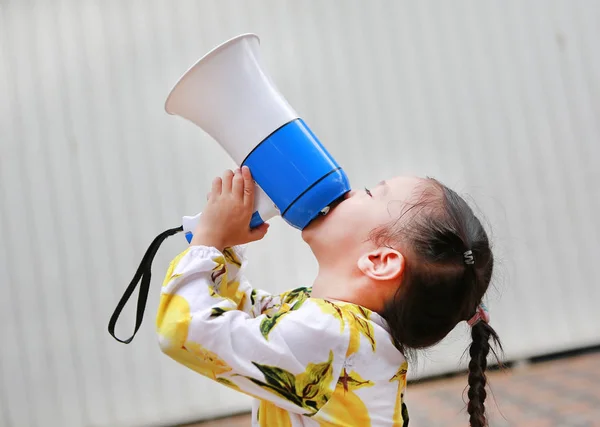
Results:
<point x="208" y="196"/>
<point x="248" y="186"/>
<point x="237" y="187"/>
<point x="217" y="186"/>
<point x="227" y="180"/>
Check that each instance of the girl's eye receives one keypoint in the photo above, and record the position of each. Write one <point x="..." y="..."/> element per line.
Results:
<point x="368" y="192"/>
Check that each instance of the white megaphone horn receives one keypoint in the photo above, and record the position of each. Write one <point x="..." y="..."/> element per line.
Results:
<point x="229" y="95"/>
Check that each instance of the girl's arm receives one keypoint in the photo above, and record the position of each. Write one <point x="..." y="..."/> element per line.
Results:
<point x="292" y="358"/>
<point x="236" y="287"/>
<point x="252" y="301"/>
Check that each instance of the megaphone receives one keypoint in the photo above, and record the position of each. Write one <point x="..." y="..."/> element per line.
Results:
<point x="230" y="96"/>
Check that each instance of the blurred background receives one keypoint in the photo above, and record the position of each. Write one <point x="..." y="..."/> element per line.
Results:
<point x="500" y="100"/>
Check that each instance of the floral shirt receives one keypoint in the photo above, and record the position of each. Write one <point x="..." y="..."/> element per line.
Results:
<point x="307" y="361"/>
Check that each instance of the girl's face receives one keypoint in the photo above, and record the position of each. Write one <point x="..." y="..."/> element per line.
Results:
<point x="347" y="227"/>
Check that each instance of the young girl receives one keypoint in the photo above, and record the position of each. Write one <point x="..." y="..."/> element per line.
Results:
<point x="399" y="266"/>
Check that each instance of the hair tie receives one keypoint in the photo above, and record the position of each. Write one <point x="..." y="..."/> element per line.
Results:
<point x="482" y="314"/>
<point x="469" y="259"/>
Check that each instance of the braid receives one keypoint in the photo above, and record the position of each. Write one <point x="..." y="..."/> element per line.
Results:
<point x="479" y="350"/>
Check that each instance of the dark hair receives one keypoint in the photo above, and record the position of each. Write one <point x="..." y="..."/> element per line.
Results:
<point x="439" y="289"/>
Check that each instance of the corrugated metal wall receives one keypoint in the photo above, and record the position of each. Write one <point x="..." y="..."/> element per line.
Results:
<point x="497" y="99"/>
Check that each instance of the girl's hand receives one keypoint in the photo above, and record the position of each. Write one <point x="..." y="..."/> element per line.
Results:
<point x="225" y="221"/>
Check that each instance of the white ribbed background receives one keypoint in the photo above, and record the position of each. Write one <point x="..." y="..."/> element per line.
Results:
<point x="499" y="99"/>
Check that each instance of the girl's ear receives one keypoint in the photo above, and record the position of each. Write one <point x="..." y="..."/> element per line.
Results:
<point x="382" y="264"/>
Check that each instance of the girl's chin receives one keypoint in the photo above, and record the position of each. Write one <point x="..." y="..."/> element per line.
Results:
<point x="312" y="227"/>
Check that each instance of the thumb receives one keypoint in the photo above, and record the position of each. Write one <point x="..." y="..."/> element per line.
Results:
<point x="259" y="232"/>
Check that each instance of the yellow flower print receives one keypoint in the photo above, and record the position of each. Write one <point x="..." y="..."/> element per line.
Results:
<point x="172" y="323"/>
<point x="253" y="297"/>
<point x="313" y="384"/>
<point x="270" y="415"/>
<point x="205" y="361"/>
<point x="231" y="292"/>
<point x="290" y="301"/>
<point x="328" y="307"/>
<point x="269" y="322"/>
<point x="360" y="324"/>
<point x="223" y="287"/>
<point x="357" y="319"/>
<point x="345" y="408"/>
<point x="218" y="311"/>
<point x="231" y="257"/>
<point x="228" y="383"/>
<point x="270" y="310"/>
<point x="400" y="410"/>
<point x="309" y="390"/>
<point x="295" y="295"/>
<point x="173" y="318"/>
<point x="170" y="276"/>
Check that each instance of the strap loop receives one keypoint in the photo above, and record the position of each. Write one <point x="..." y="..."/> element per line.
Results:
<point x="144" y="272"/>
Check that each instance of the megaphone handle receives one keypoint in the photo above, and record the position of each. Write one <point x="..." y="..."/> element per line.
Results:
<point x="190" y="222"/>
<point x="256" y="220"/>
<point x="265" y="210"/>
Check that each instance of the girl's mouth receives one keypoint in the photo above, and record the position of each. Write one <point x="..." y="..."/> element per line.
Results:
<point x="327" y="210"/>
<point x="333" y="204"/>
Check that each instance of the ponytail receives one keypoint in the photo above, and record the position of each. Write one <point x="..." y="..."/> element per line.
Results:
<point x="479" y="350"/>
<point x="448" y="270"/>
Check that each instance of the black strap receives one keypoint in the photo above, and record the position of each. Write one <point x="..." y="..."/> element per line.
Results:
<point x="143" y="272"/>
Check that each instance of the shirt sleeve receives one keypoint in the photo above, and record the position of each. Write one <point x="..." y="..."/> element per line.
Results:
<point x="237" y="288"/>
<point x="290" y="353"/>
